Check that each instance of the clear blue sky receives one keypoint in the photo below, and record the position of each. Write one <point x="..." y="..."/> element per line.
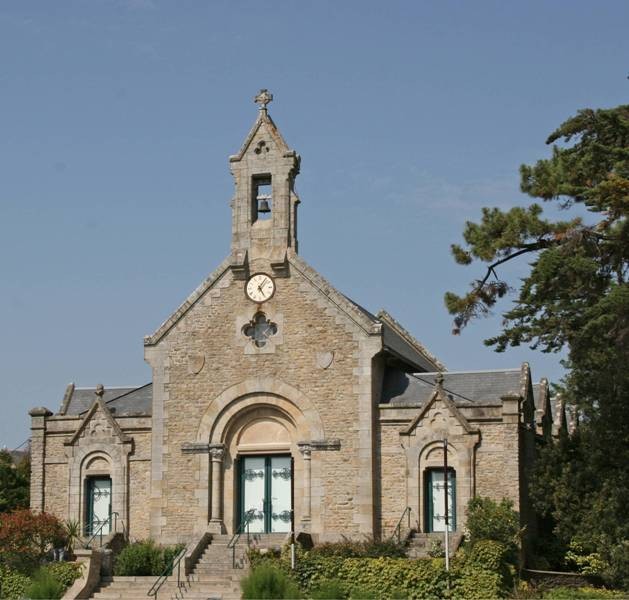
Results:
<point x="117" y="118"/>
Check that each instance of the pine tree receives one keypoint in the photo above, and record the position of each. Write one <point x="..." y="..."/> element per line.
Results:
<point x="575" y="297"/>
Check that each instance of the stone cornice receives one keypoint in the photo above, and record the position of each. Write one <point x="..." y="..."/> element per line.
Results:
<point x="439" y="395"/>
<point x="327" y="290"/>
<point x="96" y="405"/>
<point x="189" y="302"/>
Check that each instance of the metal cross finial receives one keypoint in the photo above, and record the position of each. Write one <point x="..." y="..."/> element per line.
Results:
<point x="263" y="98"/>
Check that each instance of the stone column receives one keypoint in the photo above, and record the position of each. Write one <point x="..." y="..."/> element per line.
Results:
<point x="306" y="450"/>
<point x="38" y="454"/>
<point x="217" y="452"/>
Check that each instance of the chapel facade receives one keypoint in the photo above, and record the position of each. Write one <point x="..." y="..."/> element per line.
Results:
<point x="277" y="400"/>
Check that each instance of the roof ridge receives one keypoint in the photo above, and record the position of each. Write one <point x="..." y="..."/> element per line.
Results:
<point x="129" y="392"/>
<point x="445" y="373"/>
<point x="112" y="387"/>
<point x="392" y="322"/>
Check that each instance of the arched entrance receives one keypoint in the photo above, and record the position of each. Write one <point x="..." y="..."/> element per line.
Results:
<point x="262" y="443"/>
<point x="259" y="442"/>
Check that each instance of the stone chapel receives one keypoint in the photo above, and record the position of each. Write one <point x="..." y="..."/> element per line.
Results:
<point x="277" y="400"/>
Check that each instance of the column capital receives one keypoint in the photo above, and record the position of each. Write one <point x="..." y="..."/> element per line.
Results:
<point x="305" y="448"/>
<point x="217" y="452"/>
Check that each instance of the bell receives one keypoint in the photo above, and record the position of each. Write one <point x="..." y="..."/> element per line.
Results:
<point x="263" y="205"/>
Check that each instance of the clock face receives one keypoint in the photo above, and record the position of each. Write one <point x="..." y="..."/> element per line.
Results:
<point x="260" y="287"/>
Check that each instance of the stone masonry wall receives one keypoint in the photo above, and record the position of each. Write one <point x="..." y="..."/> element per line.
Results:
<point x="139" y="492"/>
<point x="56" y="490"/>
<point x="497" y="469"/>
<point x="56" y="493"/>
<point x="392" y="478"/>
<point x="310" y="325"/>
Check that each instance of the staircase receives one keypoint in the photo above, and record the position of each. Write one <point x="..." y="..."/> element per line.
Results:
<point x="419" y="544"/>
<point x="214" y="576"/>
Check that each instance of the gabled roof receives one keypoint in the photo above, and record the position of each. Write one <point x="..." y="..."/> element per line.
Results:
<point x="438" y="395"/>
<point x="98" y="405"/>
<point x="121" y="400"/>
<point x="263" y="120"/>
<point x="400" y="341"/>
<point x="395" y="337"/>
<point x="464" y="388"/>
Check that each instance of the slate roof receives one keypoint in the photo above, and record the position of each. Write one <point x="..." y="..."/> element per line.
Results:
<point x="464" y="388"/>
<point x="123" y="400"/>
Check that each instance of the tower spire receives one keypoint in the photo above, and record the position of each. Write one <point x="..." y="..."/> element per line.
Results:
<point x="264" y="207"/>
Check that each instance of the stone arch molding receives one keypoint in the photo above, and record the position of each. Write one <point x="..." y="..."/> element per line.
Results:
<point x="227" y="414"/>
<point x="439" y="418"/>
<point x="270" y="391"/>
<point x="116" y="457"/>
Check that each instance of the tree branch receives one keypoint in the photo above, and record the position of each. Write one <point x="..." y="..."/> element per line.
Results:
<point x="491" y="268"/>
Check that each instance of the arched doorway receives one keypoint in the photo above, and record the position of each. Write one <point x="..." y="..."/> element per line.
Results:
<point x="97" y="494"/>
<point x="264" y="475"/>
<point x="267" y="419"/>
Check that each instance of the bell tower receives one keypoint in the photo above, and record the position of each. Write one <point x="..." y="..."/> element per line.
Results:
<point x="264" y="206"/>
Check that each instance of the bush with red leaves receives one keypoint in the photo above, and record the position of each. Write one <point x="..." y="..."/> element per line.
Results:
<point x="26" y="537"/>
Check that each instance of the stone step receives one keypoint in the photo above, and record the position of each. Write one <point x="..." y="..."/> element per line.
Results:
<point x="215" y="567"/>
<point x="129" y="578"/>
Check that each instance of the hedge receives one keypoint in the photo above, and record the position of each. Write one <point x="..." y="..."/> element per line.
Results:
<point x="13" y="584"/>
<point x="386" y="577"/>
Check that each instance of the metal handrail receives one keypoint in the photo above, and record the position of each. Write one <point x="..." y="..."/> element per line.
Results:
<point x="168" y="571"/>
<point x="245" y="523"/>
<point x="397" y="532"/>
<point x="99" y="531"/>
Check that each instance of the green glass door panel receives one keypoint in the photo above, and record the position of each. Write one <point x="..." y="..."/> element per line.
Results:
<point x="98" y="505"/>
<point x="266" y="491"/>
<point x="281" y="493"/>
<point x="253" y="483"/>
<point x="435" y="500"/>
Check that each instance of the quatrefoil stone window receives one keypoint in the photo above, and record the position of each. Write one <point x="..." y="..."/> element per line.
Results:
<point x="259" y="330"/>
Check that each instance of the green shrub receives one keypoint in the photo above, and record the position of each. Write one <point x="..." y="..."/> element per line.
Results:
<point x="617" y="573"/>
<point x="13" y="583"/>
<point x="145" y="558"/>
<point x="380" y="577"/>
<point x="328" y="589"/>
<point x="44" y="586"/>
<point x="359" y="593"/>
<point x="267" y="581"/>
<point x="584" y="593"/>
<point x="170" y="553"/>
<point x="388" y="578"/>
<point x="489" y="520"/>
<point x="488" y="554"/>
<point x="360" y="549"/>
<point x="65" y="573"/>
<point x="581" y="561"/>
<point x="475" y="583"/>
